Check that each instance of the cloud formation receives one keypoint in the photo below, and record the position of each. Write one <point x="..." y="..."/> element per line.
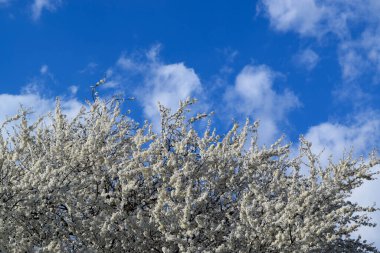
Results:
<point x="307" y="59"/>
<point x="360" y="55"/>
<point x="157" y="81"/>
<point x="334" y="138"/>
<point x="355" y="23"/>
<point x="253" y="95"/>
<point x="35" y="103"/>
<point x="34" y="98"/>
<point x="44" y="69"/>
<point x="168" y="84"/>
<point x="319" y="17"/>
<point x="303" y="17"/>
<point x="39" y="6"/>
<point x="73" y="89"/>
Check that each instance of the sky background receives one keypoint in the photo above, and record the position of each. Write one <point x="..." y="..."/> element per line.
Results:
<point x="299" y="66"/>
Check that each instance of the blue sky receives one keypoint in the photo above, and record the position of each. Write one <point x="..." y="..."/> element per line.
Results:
<point x="300" y="66"/>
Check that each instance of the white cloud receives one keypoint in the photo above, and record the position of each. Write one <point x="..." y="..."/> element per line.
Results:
<point x="90" y="68"/>
<point x="73" y="89"/>
<point x="34" y="87"/>
<point x="253" y="94"/>
<point x="319" y="17"/>
<point x="345" y="19"/>
<point x="307" y="59"/>
<point x="39" y="5"/>
<point x="302" y="16"/>
<point x="39" y="84"/>
<point x="129" y="64"/>
<point x="71" y="107"/>
<point x="335" y="138"/>
<point x="111" y="84"/>
<point x="359" y="60"/>
<point x="33" y="98"/>
<point x="10" y="105"/>
<point x="168" y="84"/>
<point x="157" y="81"/>
<point x="361" y="55"/>
<point x="351" y="63"/>
<point x="44" y="69"/>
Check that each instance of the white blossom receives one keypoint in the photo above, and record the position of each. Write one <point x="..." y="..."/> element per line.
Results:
<point x="102" y="183"/>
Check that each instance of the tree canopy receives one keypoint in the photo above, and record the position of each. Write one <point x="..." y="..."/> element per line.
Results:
<point x="100" y="182"/>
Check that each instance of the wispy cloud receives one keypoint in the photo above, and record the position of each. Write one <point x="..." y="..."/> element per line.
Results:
<point x="38" y="6"/>
<point x="90" y="68"/>
<point x="307" y="59"/>
<point x="314" y="18"/>
<point x="41" y="82"/>
<point x="253" y="94"/>
<point x="73" y="89"/>
<point x="361" y="55"/>
<point x="44" y="69"/>
<point x="157" y="81"/>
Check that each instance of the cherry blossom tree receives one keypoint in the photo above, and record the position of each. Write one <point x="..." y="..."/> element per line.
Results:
<point x="100" y="182"/>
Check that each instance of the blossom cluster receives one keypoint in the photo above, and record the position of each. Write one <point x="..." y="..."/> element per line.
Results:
<point x="100" y="182"/>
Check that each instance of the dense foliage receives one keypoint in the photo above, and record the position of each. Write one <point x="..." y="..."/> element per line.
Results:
<point x="102" y="183"/>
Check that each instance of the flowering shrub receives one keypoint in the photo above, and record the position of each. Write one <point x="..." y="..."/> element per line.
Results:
<point x="102" y="183"/>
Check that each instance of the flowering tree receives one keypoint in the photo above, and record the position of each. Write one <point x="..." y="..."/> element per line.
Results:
<point x="102" y="183"/>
